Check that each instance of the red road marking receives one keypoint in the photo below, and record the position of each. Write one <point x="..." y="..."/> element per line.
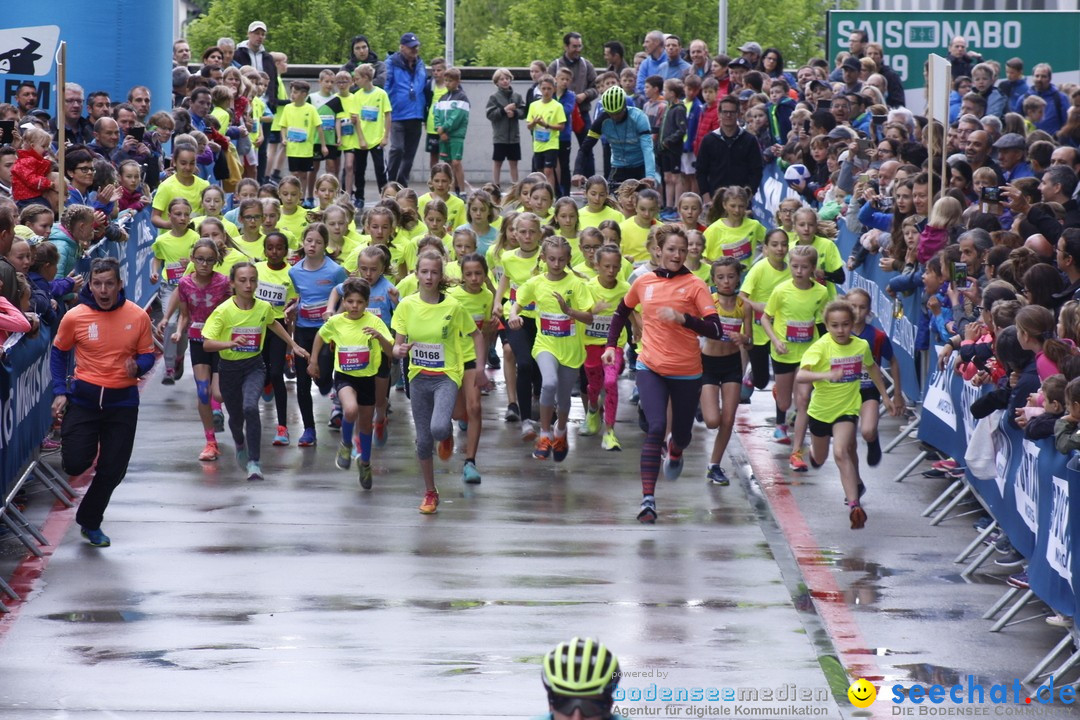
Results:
<point x="826" y="593"/>
<point x="29" y="571"/>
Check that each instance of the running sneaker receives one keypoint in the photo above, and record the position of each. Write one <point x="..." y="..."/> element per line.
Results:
<point x="610" y="442"/>
<point x="430" y="505"/>
<point x="470" y="474"/>
<point x="219" y="421"/>
<point x="96" y="537"/>
<point x="379" y="434"/>
<point x="814" y="463"/>
<point x="344" y="458"/>
<point x="400" y="386"/>
<point x="493" y="361"/>
<point x="170" y="377"/>
<point x="873" y="452"/>
<point x="446" y="448"/>
<point x="780" y="435"/>
<point x="796" y="462"/>
<point x="463" y="425"/>
<point x="946" y="464"/>
<point x="254" y="471"/>
<point x="290" y="366"/>
<point x="717" y="476"/>
<point x="210" y="452"/>
<point x="242" y="457"/>
<point x="673" y="462"/>
<point x="857" y="517"/>
<point x="1013" y="559"/>
<point x="513" y="413"/>
<point x="50" y="444"/>
<point x="307" y="439"/>
<point x="542" y="451"/>
<point x="528" y="430"/>
<point x="647" y="513"/>
<point x="364" y="471"/>
<point x="635" y="395"/>
<point x="1019" y="580"/>
<point x="592" y="423"/>
<point x="335" y="418"/>
<point x="282" y="437"/>
<point x="559" y="448"/>
<point x="1059" y="620"/>
<point x="178" y="368"/>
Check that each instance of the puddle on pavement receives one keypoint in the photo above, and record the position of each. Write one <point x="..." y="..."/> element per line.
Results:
<point x="128" y="616"/>
<point x="99" y="616"/>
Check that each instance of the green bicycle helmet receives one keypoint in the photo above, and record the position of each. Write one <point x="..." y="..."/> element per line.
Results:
<point x="613" y="100"/>
<point x="583" y="666"/>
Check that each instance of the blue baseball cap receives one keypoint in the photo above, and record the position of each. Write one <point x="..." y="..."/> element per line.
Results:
<point x="410" y="40"/>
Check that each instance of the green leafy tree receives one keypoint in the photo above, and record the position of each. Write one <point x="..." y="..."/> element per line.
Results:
<point x="319" y="31"/>
<point x="533" y="29"/>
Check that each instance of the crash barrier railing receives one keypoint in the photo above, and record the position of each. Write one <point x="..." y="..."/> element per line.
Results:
<point x="26" y="392"/>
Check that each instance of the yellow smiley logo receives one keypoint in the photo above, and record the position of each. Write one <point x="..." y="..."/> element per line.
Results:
<point x="862" y="694"/>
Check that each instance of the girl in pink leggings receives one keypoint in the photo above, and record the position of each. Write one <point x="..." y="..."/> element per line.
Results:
<point x="608" y="290"/>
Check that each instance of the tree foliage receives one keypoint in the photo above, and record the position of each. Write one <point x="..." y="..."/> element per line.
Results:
<point x="511" y="32"/>
<point x="319" y="31"/>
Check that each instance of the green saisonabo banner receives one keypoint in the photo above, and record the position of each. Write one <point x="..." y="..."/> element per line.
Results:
<point x="909" y="37"/>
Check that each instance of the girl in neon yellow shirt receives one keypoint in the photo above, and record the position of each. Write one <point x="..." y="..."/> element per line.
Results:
<point x="428" y="328"/>
<point x="790" y="320"/>
<point x="236" y="331"/>
<point x="834" y="365"/>
<point x="695" y="249"/>
<point x="598" y="205"/>
<point x="476" y="297"/>
<point x="608" y="290"/>
<point x="562" y="300"/>
<point x="360" y="339"/>
<point x="569" y="226"/>
<point x="757" y="287"/>
<point x="734" y="234"/>
<point x="515" y="267"/>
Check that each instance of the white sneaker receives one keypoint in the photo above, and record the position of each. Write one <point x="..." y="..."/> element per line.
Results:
<point x="529" y="430"/>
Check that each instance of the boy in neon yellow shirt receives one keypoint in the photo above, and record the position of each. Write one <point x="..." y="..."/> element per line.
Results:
<point x="546" y="118"/>
<point x="300" y="124"/>
<point x="371" y="116"/>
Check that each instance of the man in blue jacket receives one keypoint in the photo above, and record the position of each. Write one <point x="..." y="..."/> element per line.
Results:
<point x="1057" y="105"/>
<point x="406" y="78"/>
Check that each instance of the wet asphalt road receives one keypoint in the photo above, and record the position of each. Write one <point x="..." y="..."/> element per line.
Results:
<point x="305" y="596"/>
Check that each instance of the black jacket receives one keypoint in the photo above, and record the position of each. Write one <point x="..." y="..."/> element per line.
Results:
<point x="243" y="56"/>
<point x="894" y="98"/>
<point x="723" y="161"/>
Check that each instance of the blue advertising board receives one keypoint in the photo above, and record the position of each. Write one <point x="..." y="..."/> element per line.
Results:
<point x="112" y="47"/>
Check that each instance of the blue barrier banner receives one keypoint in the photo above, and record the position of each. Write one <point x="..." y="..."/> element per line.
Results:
<point x="1050" y="572"/>
<point x="1028" y="494"/>
<point x="135" y="256"/>
<point x="942" y="426"/>
<point x="25" y="404"/>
